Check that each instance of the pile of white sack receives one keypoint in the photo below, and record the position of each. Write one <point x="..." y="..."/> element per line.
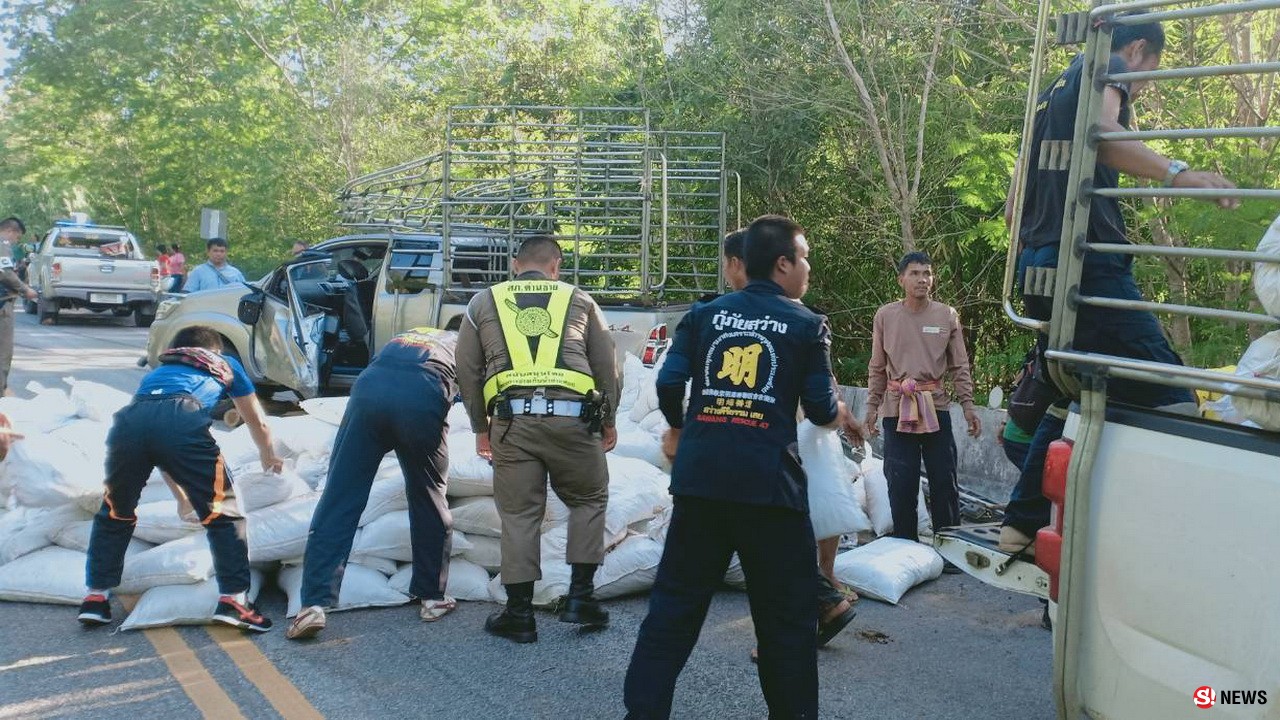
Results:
<point x="51" y="484"/>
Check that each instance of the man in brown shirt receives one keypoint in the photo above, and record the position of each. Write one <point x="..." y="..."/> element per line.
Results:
<point x="536" y="366"/>
<point x="915" y="343"/>
<point x="11" y="288"/>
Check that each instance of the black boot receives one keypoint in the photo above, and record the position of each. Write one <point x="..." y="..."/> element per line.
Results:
<point x="516" y="621"/>
<point x="581" y="606"/>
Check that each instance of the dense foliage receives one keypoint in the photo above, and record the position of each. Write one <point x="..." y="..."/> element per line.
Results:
<point x="882" y="126"/>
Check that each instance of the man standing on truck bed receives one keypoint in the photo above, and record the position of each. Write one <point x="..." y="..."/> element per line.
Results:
<point x="1125" y="333"/>
<point x="915" y="343"/>
<point x="11" y="231"/>
<point x="535" y="354"/>
<point x="216" y="272"/>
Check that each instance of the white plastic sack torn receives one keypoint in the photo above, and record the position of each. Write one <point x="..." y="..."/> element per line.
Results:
<point x="180" y="562"/>
<point x="1266" y="276"/>
<point x="833" y="508"/>
<point x="887" y="568"/>
<point x="467" y="581"/>
<point x="51" y="575"/>
<point x="361" y="588"/>
<point x="182" y="604"/>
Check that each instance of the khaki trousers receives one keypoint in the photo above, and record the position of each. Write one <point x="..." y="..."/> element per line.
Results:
<point x="526" y="450"/>
<point x="6" y="342"/>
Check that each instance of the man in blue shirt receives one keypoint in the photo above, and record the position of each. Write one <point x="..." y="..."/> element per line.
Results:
<point x="753" y="356"/>
<point x="215" y="272"/>
<point x="167" y="426"/>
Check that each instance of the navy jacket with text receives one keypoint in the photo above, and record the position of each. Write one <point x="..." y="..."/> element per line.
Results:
<point x="752" y="355"/>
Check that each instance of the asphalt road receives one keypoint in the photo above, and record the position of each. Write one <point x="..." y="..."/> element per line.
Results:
<point x="954" y="648"/>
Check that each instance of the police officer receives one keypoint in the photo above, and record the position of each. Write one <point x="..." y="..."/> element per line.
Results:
<point x="11" y="231"/>
<point x="537" y="371"/>
<point x="752" y="355"/>
<point x="400" y="402"/>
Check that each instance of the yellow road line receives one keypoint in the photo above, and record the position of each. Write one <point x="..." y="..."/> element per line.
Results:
<point x="283" y="695"/>
<point x="196" y="682"/>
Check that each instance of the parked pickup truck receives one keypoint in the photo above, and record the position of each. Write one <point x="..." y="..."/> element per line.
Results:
<point x="99" y="268"/>
<point x="313" y="323"/>
<point x="1159" y="560"/>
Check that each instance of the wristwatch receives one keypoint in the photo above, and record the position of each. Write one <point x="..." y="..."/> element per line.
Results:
<point x="1175" y="167"/>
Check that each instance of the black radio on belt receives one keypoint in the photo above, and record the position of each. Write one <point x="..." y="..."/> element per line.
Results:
<point x="593" y="408"/>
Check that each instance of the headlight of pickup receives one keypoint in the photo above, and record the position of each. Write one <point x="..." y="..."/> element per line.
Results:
<point x="165" y="307"/>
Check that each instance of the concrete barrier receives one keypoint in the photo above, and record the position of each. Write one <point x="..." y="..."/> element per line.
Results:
<point x="984" y="470"/>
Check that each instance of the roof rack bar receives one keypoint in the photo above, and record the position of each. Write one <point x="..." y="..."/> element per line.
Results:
<point x="1194" y="12"/>
<point x="1192" y="133"/>
<point x="1165" y="374"/>
<point x="1192" y="310"/>
<point x="1195" y="193"/>
<point x="1188" y="252"/>
<point x="1196" y="72"/>
<point x="1111" y="9"/>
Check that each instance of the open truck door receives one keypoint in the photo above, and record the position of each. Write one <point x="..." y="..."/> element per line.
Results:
<point x="287" y="333"/>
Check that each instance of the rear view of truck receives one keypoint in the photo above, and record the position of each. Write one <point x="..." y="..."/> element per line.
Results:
<point x="1159" y="559"/>
<point x="94" y="267"/>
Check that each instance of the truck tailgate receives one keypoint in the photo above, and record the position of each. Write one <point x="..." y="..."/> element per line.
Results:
<point x="105" y="273"/>
<point x="973" y="549"/>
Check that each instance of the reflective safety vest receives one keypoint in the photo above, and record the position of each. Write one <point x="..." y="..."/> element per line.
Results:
<point x="521" y="324"/>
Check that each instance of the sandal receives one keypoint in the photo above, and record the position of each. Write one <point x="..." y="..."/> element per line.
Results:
<point x="433" y="610"/>
<point x="847" y="590"/>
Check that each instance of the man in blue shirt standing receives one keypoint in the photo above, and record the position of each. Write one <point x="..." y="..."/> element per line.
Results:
<point x="215" y="272"/>
<point x="167" y="426"/>
<point x="753" y="356"/>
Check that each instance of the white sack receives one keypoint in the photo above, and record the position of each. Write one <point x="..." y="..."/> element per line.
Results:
<point x="469" y="474"/>
<point x="25" y="530"/>
<point x="477" y="516"/>
<point x="383" y="565"/>
<point x="876" y="487"/>
<point x="734" y="576"/>
<point x="159" y="522"/>
<point x="887" y="568"/>
<point x="387" y="537"/>
<point x="49" y="409"/>
<point x="361" y="588"/>
<point x="634" y="374"/>
<point x="326" y="409"/>
<point x="387" y="493"/>
<point x="75" y="536"/>
<point x="1266" y="276"/>
<point x="1261" y="359"/>
<point x="51" y="575"/>
<point x="485" y="552"/>
<point x="300" y="434"/>
<point x="637" y="491"/>
<point x="236" y="446"/>
<point x="256" y="489"/>
<point x="180" y="562"/>
<point x="279" y="532"/>
<point x="51" y="469"/>
<point x="640" y="444"/>
<point x="458" y="419"/>
<point x="182" y="604"/>
<point x="467" y="581"/>
<point x="833" y="508"/>
<point x="629" y="568"/>
<point x="95" y="401"/>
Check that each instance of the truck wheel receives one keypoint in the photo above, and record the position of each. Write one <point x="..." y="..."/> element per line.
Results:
<point x="143" y="319"/>
<point x="47" y="312"/>
<point x="31" y="307"/>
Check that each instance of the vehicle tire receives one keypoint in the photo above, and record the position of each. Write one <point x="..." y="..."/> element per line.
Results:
<point x="225" y="411"/>
<point x="30" y="306"/>
<point x="47" y="311"/>
<point x="143" y="319"/>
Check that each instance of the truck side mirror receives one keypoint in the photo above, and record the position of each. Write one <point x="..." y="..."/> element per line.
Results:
<point x="250" y="308"/>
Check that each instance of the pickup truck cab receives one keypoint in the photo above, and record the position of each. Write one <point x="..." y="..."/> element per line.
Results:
<point x="312" y="324"/>
<point x="1159" y="560"/>
<point x="94" y="267"/>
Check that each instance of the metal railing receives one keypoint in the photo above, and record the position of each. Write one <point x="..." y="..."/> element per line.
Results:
<point x="639" y="212"/>
<point x="1063" y="282"/>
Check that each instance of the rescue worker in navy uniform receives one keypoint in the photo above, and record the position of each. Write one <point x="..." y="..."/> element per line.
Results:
<point x="539" y="378"/>
<point x="400" y="402"/>
<point x="752" y="355"/>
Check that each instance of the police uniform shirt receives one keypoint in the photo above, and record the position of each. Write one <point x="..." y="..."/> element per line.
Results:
<point x="752" y="356"/>
<point x="1052" y="134"/>
<point x="170" y="379"/>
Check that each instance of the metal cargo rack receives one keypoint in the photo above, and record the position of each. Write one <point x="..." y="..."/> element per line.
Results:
<point x="639" y="212"/>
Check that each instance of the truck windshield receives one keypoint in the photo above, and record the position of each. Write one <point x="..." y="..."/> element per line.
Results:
<point x="94" y="243"/>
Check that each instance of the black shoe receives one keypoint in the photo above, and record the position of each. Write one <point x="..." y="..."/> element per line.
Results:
<point x="245" y="617"/>
<point x="950" y="568"/>
<point x="829" y="629"/>
<point x="580" y="607"/>
<point x="95" y="611"/>
<point x="516" y="622"/>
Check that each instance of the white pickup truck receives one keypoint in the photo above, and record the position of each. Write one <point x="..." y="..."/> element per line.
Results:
<point x="1159" y="562"/>
<point x="99" y="268"/>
